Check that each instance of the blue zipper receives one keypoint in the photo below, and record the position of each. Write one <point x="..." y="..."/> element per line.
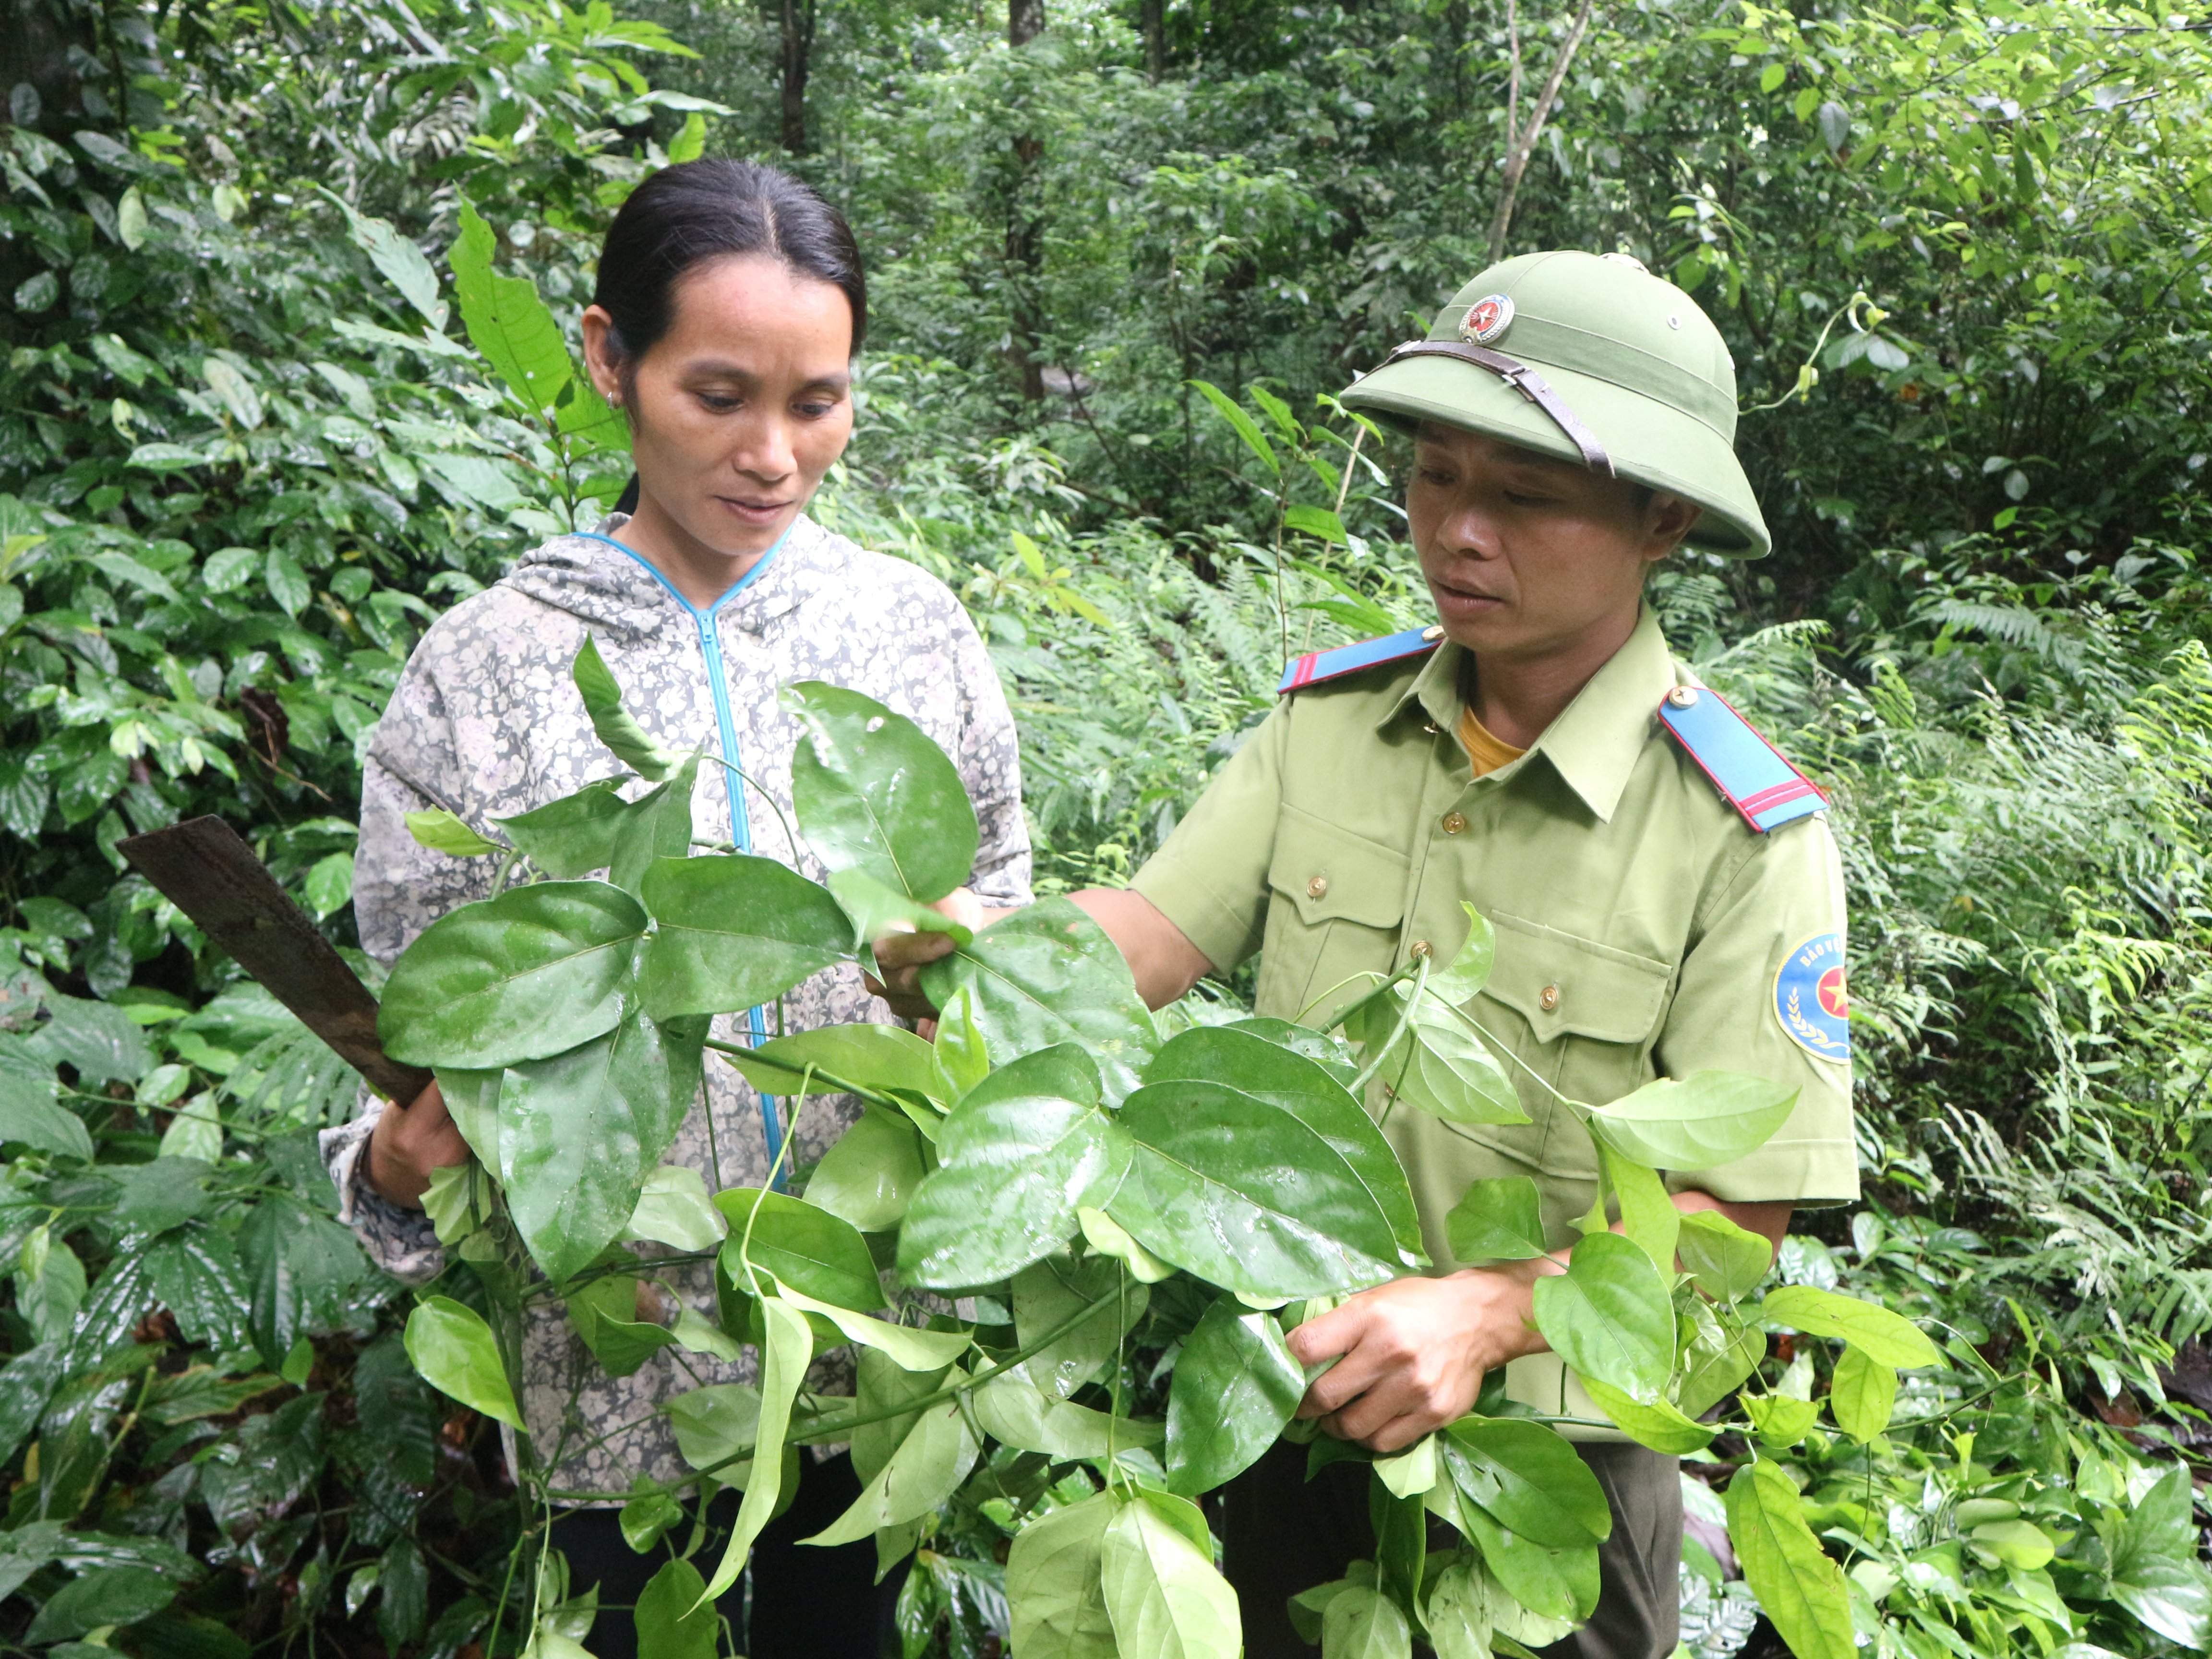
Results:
<point x="710" y="648"/>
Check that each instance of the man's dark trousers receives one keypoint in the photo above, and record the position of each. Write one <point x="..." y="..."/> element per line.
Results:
<point x="1283" y="1534"/>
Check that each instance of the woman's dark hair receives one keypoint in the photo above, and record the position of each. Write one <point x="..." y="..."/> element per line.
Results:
<point x="686" y="214"/>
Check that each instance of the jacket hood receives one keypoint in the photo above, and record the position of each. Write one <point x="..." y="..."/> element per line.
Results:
<point x="597" y="579"/>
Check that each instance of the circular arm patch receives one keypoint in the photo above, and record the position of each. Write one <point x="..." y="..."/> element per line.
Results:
<point x="1811" y="1001"/>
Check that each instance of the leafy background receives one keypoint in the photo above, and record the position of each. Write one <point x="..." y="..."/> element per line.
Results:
<point x="244" y="459"/>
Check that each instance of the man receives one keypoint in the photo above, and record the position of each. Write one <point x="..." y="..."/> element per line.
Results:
<point x="1666" y="896"/>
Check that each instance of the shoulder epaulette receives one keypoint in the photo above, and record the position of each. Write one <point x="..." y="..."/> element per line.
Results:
<point x="1317" y="667"/>
<point x="1750" y="771"/>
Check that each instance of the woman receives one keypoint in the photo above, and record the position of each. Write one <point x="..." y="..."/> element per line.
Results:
<point x="729" y="305"/>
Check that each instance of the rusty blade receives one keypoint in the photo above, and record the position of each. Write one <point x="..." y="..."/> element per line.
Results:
<point x="203" y="868"/>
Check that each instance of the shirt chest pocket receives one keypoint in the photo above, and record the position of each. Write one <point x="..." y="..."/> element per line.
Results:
<point x="1584" y="1014"/>
<point x="1336" y="901"/>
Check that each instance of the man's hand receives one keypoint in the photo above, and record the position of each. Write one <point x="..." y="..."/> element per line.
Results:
<point x="903" y="953"/>
<point x="1414" y="1352"/>
<point x="410" y="1141"/>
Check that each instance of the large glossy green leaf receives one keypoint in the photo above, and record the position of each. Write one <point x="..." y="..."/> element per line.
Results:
<point x="716" y="1423"/>
<point x="1726" y="1260"/>
<point x="1015" y="1413"/>
<point x="1056" y="1587"/>
<point x="1721" y="1353"/>
<point x="1461" y="979"/>
<point x="910" y="1345"/>
<point x="801" y="1245"/>
<point x="1861" y="1396"/>
<point x="1360" y="1623"/>
<point x="1016" y="1158"/>
<point x="573" y="835"/>
<point x="1528" y="1480"/>
<point x="2155" y="1573"/>
<point x="304" y="1271"/>
<point x="1696" y="1122"/>
<point x="927" y="1469"/>
<point x="1648" y="1215"/>
<point x="1249" y="1196"/>
<point x="457" y="1354"/>
<point x="579" y="1133"/>
<point x="875" y="910"/>
<point x="1551" y="1581"/>
<point x="1330" y="1052"/>
<point x="195" y="1271"/>
<point x="673" y="1209"/>
<point x="1439" y="1065"/>
<point x="104" y="1596"/>
<point x="1500" y="1219"/>
<point x="1163" y="1597"/>
<point x="524" y="977"/>
<point x="1890" y="1338"/>
<point x="672" y="1622"/>
<point x="1235" y="1386"/>
<point x="604" y="1315"/>
<point x="1659" y="1424"/>
<point x="788" y="1345"/>
<point x="1048" y="974"/>
<point x="1457" y="1613"/>
<point x="1799" y="1588"/>
<point x="614" y="725"/>
<point x="873" y="793"/>
<point x="1306" y="1088"/>
<point x="506" y="321"/>
<point x="881" y="1384"/>
<point x="30" y="1114"/>
<point x="1609" y="1316"/>
<point x="656" y="826"/>
<point x="1051" y="1293"/>
<point x="869" y="1176"/>
<point x="734" y="931"/>
<point x="97" y="1038"/>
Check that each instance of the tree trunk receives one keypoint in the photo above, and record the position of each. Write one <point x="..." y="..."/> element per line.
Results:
<point x="1521" y="146"/>
<point x="797" y="53"/>
<point x="1153" y="23"/>
<point x="1025" y="228"/>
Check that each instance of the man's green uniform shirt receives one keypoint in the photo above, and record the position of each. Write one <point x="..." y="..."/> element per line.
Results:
<point x="1641" y="924"/>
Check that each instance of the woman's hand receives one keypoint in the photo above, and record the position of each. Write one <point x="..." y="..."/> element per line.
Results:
<point x="1414" y="1352"/>
<point x="903" y="953"/>
<point x="410" y="1141"/>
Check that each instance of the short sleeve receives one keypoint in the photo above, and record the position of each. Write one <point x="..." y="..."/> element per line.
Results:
<point x="1761" y="991"/>
<point x="1210" y="878"/>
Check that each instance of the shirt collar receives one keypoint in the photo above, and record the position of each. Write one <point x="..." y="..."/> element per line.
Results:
<point x="1594" y="743"/>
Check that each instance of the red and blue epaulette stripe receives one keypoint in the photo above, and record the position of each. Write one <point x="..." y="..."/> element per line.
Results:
<point x="1316" y="667"/>
<point x="1750" y="771"/>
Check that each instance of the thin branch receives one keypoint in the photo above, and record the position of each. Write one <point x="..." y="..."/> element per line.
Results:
<point x="1523" y="145"/>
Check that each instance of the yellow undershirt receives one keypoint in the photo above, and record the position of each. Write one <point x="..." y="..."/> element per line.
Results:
<point x="1487" y="752"/>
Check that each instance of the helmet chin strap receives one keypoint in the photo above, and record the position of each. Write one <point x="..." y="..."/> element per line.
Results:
<point x="1526" y="381"/>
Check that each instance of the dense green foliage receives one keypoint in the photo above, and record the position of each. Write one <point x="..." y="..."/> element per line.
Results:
<point x="240" y="474"/>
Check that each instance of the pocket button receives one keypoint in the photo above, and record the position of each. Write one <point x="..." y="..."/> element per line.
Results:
<point x="1548" y="998"/>
<point x="1317" y="886"/>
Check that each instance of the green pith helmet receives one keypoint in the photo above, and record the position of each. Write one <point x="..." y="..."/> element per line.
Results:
<point x="1628" y="376"/>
